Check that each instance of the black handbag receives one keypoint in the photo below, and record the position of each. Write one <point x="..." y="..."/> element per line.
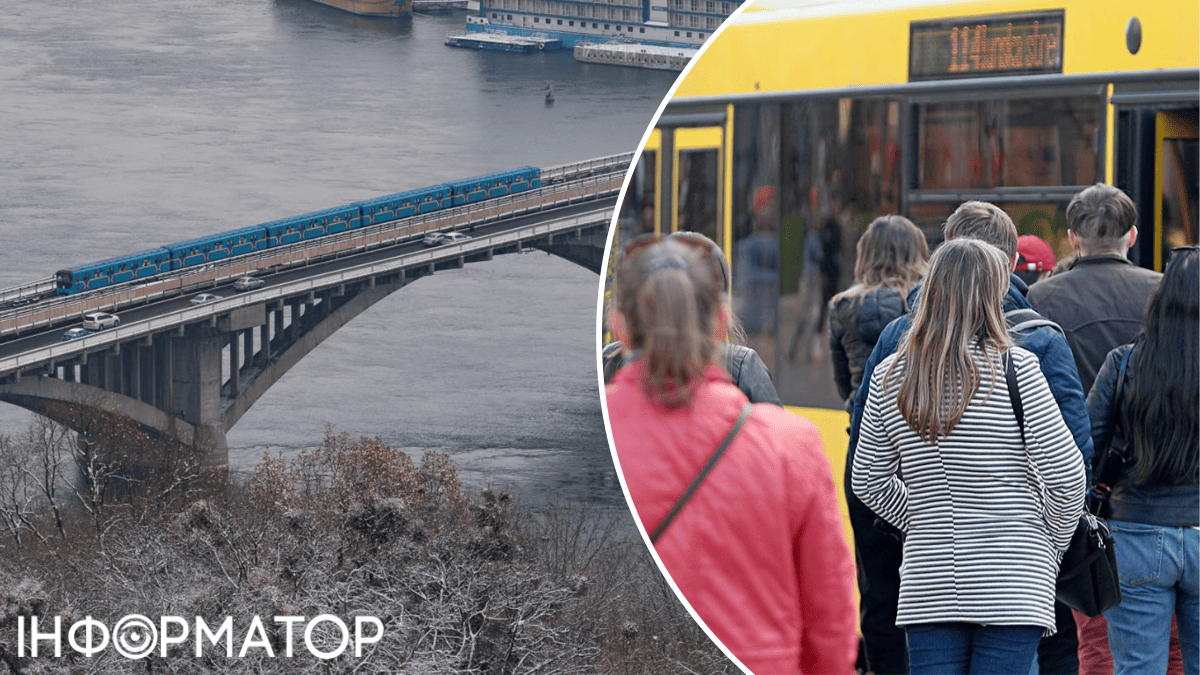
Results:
<point x="1087" y="577"/>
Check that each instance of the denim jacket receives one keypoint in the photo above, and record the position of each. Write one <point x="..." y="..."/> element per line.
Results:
<point x="1174" y="506"/>
<point x="1047" y="343"/>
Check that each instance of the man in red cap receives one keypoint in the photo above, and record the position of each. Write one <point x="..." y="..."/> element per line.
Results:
<point x="1035" y="258"/>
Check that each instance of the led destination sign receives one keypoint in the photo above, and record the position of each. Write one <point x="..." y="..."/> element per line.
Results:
<point x="1013" y="44"/>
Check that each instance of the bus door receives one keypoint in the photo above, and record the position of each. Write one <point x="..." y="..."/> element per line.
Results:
<point x="692" y="161"/>
<point x="696" y="183"/>
<point x="1157" y="163"/>
<point x="1176" y="182"/>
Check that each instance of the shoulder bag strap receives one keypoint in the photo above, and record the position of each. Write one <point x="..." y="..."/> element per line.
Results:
<point x="1111" y="463"/>
<point x="1014" y="394"/>
<point x="712" y="461"/>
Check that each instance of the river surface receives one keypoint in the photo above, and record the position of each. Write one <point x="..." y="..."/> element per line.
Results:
<point x="128" y="124"/>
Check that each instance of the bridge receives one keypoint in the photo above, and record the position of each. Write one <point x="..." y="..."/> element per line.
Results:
<point x="190" y="371"/>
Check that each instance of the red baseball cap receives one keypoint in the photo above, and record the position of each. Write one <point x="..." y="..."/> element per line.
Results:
<point x="764" y="197"/>
<point x="1035" y="253"/>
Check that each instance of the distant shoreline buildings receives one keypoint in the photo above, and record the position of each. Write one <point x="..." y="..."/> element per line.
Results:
<point x="669" y="23"/>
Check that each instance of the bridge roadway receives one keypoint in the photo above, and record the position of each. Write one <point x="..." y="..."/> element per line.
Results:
<point x="191" y="371"/>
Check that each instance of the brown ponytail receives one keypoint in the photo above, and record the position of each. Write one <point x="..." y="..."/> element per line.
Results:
<point x="668" y="294"/>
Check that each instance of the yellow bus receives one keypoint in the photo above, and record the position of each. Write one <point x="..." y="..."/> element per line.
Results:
<point x="803" y="120"/>
<point x="800" y="122"/>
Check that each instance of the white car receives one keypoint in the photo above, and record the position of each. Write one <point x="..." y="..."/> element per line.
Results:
<point x="100" y="321"/>
<point x="440" y="238"/>
<point x="248" y="284"/>
<point x="203" y="298"/>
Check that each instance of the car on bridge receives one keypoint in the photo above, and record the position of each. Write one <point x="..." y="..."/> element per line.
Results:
<point x="76" y="333"/>
<point x="442" y="238"/>
<point x="203" y="298"/>
<point x="100" y="321"/>
<point x="248" y="284"/>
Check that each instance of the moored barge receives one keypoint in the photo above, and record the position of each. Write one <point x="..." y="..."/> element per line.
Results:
<point x="371" y="7"/>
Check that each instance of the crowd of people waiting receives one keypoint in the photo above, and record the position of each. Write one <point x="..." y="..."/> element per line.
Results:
<point x="961" y="501"/>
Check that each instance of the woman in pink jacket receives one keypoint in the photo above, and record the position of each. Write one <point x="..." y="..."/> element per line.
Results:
<point x="757" y="547"/>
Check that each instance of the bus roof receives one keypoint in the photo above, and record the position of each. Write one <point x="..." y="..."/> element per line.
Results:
<point x="793" y="45"/>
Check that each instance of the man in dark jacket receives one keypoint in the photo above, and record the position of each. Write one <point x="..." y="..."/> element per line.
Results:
<point x="1101" y="299"/>
<point x="986" y="222"/>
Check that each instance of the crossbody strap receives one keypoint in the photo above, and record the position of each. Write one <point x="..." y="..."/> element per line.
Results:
<point x="1014" y="394"/>
<point x="712" y="461"/>
<point x="1111" y="463"/>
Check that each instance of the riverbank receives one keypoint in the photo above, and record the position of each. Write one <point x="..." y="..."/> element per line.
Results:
<point x="352" y="554"/>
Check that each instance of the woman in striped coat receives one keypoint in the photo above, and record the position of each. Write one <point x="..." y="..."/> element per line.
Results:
<point x="986" y="514"/>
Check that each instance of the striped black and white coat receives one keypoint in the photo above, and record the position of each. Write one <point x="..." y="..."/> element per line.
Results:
<point x="987" y="516"/>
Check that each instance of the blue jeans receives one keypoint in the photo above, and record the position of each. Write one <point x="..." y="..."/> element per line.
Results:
<point x="1158" y="568"/>
<point x="966" y="648"/>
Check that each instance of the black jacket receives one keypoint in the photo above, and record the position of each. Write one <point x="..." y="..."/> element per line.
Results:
<point x="854" y="328"/>
<point x="1099" y="302"/>
<point x="1174" y="506"/>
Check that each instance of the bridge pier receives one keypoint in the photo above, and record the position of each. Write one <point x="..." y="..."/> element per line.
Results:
<point x="196" y="380"/>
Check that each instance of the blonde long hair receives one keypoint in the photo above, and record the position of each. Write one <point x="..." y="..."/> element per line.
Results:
<point x="892" y="253"/>
<point x="960" y="313"/>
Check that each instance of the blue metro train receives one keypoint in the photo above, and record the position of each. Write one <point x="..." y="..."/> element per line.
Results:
<point x="289" y="230"/>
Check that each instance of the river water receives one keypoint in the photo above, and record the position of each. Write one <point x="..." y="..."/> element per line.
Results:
<point x="128" y="124"/>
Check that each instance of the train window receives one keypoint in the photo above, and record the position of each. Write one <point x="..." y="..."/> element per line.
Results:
<point x="1010" y="143"/>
